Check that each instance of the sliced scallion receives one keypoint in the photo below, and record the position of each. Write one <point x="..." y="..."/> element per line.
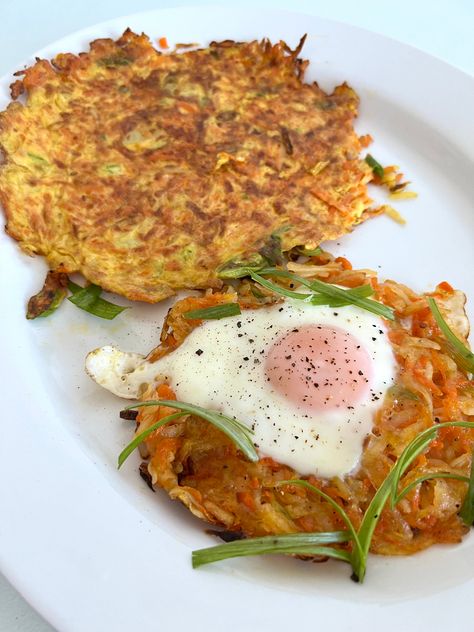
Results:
<point x="50" y="297"/>
<point x="237" y="268"/>
<point x="428" y="477"/>
<point x="292" y="543"/>
<point x="216" y="312"/>
<point x="467" y="509"/>
<point x="332" y="502"/>
<point x="375" y="166"/>
<point x="277" y="288"/>
<point x="88" y="298"/>
<point x="240" y="434"/>
<point x="389" y="489"/>
<point x="126" y="452"/>
<point x="362" y="291"/>
<point x="308" y="252"/>
<point x="463" y="357"/>
<point x="327" y="290"/>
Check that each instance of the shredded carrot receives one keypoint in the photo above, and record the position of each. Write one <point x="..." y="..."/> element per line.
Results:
<point x="185" y="106"/>
<point x="365" y="140"/>
<point x="421" y="377"/>
<point x="254" y="483"/>
<point x="163" y="43"/>
<point x="445" y="286"/>
<point x="306" y="523"/>
<point x="415" y="501"/>
<point x="165" y="392"/>
<point x="346" y="265"/>
<point x="247" y="499"/>
<point x="421" y="461"/>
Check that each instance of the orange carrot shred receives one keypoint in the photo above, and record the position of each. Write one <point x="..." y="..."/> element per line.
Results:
<point x="445" y="286"/>
<point x="346" y="265"/>
<point x="165" y="392"/>
<point x="247" y="499"/>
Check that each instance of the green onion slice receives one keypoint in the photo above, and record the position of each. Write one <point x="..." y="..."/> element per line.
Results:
<point x="88" y="298"/>
<point x="216" y="312"/>
<point x="467" y="509"/>
<point x="389" y="489"/>
<point x="415" y="448"/>
<point x="293" y="543"/>
<point x="240" y="434"/>
<point x="59" y="296"/>
<point x="463" y="357"/>
<point x="375" y="166"/>
<point x="276" y="288"/>
<point x="237" y="268"/>
<point x="362" y="291"/>
<point x="327" y="290"/>
<point x="123" y="456"/>
<point x="332" y="502"/>
<point x="308" y="252"/>
<point x="50" y="297"/>
<point x="428" y="477"/>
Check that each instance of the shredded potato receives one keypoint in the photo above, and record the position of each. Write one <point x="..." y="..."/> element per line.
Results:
<point x="197" y="464"/>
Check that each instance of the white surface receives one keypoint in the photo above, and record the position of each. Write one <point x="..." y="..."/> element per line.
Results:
<point x="441" y="28"/>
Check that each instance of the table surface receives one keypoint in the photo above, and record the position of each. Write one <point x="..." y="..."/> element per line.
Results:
<point x="439" y="27"/>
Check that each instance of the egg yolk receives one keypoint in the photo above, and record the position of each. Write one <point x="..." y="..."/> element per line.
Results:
<point x="319" y="368"/>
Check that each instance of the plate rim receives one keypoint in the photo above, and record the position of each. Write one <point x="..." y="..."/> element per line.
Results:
<point x="8" y="566"/>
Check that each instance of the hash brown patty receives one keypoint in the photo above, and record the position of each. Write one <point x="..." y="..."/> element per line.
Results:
<point x="200" y="466"/>
<point x="146" y="171"/>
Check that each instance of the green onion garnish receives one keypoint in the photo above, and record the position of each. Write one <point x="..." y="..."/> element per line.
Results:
<point x="375" y="166"/>
<point x="276" y="288"/>
<point x="240" y="434"/>
<point x="463" y="357"/>
<point x="308" y="252"/>
<point x="237" y="268"/>
<point x="428" y="477"/>
<point x="216" y="312"/>
<point x="123" y="456"/>
<point x="389" y="489"/>
<point x="415" y="448"/>
<point x="332" y="502"/>
<point x="88" y="299"/>
<point x="269" y="254"/>
<point x="55" y="303"/>
<point x="322" y="291"/>
<point x="362" y="291"/>
<point x="467" y="509"/>
<point x="296" y="543"/>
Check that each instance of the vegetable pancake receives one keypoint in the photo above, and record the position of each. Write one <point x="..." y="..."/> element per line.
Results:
<point x="147" y="171"/>
<point x="420" y="378"/>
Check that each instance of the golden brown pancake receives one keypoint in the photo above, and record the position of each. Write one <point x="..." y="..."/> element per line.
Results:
<point x="147" y="171"/>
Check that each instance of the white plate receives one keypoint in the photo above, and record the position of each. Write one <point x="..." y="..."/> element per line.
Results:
<point x="92" y="548"/>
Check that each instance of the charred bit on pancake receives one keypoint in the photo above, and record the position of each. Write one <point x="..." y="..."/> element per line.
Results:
<point x="145" y="474"/>
<point x="227" y="536"/>
<point x="50" y="296"/>
<point x="128" y="415"/>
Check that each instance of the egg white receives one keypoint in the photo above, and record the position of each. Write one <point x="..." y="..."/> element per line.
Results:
<point x="221" y="366"/>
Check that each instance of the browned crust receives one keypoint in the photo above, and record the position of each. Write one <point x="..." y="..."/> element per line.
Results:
<point x="198" y="465"/>
<point x="54" y="290"/>
<point x="146" y="171"/>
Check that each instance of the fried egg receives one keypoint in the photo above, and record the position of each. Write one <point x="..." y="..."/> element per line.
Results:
<point x="306" y="379"/>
